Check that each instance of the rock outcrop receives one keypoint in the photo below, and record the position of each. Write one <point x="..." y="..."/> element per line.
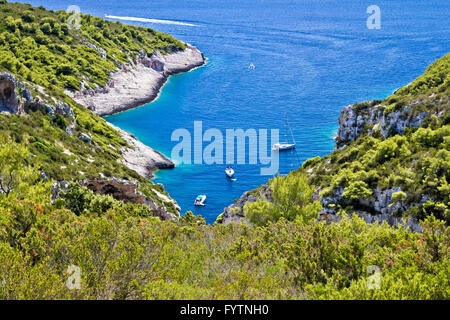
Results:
<point x="138" y="82"/>
<point x="411" y="223"/>
<point x="14" y="97"/>
<point x="17" y="99"/>
<point x="236" y="213"/>
<point x="378" y="207"/>
<point x="357" y="119"/>
<point x="126" y="191"/>
<point x="141" y="158"/>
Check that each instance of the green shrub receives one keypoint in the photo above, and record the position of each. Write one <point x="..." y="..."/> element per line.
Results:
<point x="292" y="200"/>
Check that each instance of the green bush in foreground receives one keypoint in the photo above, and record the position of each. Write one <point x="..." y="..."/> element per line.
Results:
<point x="124" y="253"/>
<point x="292" y="200"/>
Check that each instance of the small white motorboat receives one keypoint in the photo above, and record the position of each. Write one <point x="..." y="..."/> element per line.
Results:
<point x="229" y="172"/>
<point x="283" y="146"/>
<point x="200" y="200"/>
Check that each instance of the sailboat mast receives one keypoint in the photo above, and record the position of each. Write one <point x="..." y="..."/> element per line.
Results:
<point x="290" y="129"/>
<point x="293" y="139"/>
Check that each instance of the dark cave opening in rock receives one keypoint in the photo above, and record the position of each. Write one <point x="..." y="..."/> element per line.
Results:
<point x="7" y="93"/>
<point x="109" y="189"/>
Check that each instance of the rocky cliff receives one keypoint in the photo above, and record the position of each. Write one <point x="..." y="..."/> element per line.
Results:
<point x="127" y="192"/>
<point x="375" y="117"/>
<point x="236" y="211"/>
<point x="137" y="83"/>
<point x="16" y="98"/>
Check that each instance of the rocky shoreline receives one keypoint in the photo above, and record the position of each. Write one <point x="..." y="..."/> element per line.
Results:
<point x="138" y="82"/>
<point x="135" y="84"/>
<point x="141" y="158"/>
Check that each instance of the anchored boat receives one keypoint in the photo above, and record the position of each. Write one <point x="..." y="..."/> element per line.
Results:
<point x="289" y="145"/>
<point x="229" y="172"/>
<point x="283" y="146"/>
<point x="200" y="200"/>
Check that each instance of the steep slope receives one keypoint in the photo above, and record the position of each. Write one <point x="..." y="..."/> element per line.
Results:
<point x="106" y="228"/>
<point x="44" y="63"/>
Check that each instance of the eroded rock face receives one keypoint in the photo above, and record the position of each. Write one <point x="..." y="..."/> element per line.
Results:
<point x="120" y="190"/>
<point x="126" y="191"/>
<point x="359" y="119"/>
<point x="16" y="98"/>
<point x="236" y="213"/>
<point x="7" y="94"/>
<point x="353" y="122"/>
<point x="9" y="98"/>
<point x="378" y="207"/>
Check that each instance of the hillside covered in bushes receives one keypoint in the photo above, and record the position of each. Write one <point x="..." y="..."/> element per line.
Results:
<point x="41" y="59"/>
<point x="40" y="46"/>
<point x="51" y="221"/>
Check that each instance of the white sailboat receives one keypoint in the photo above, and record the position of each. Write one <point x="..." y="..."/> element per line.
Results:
<point x="283" y="146"/>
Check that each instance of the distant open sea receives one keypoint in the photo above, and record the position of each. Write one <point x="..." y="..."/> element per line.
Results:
<point x="311" y="58"/>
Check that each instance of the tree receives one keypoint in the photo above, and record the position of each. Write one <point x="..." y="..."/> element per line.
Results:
<point x="399" y="197"/>
<point x="292" y="200"/>
<point x="357" y="190"/>
<point x="14" y="166"/>
<point x="28" y="16"/>
<point x="46" y="28"/>
<point x="10" y="23"/>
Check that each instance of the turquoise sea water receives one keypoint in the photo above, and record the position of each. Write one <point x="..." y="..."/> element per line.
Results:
<point x="311" y="58"/>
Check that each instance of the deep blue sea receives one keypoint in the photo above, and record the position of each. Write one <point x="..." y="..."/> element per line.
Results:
<point x="311" y="57"/>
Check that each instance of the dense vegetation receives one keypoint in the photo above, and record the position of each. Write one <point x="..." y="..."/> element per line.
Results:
<point x="39" y="46"/>
<point x="46" y="56"/>
<point x="291" y="199"/>
<point x="417" y="162"/>
<point x="123" y="252"/>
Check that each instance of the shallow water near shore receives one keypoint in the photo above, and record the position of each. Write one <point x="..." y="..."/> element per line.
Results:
<point x="310" y="57"/>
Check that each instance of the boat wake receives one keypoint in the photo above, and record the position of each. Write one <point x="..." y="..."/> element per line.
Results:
<point x="151" y="20"/>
